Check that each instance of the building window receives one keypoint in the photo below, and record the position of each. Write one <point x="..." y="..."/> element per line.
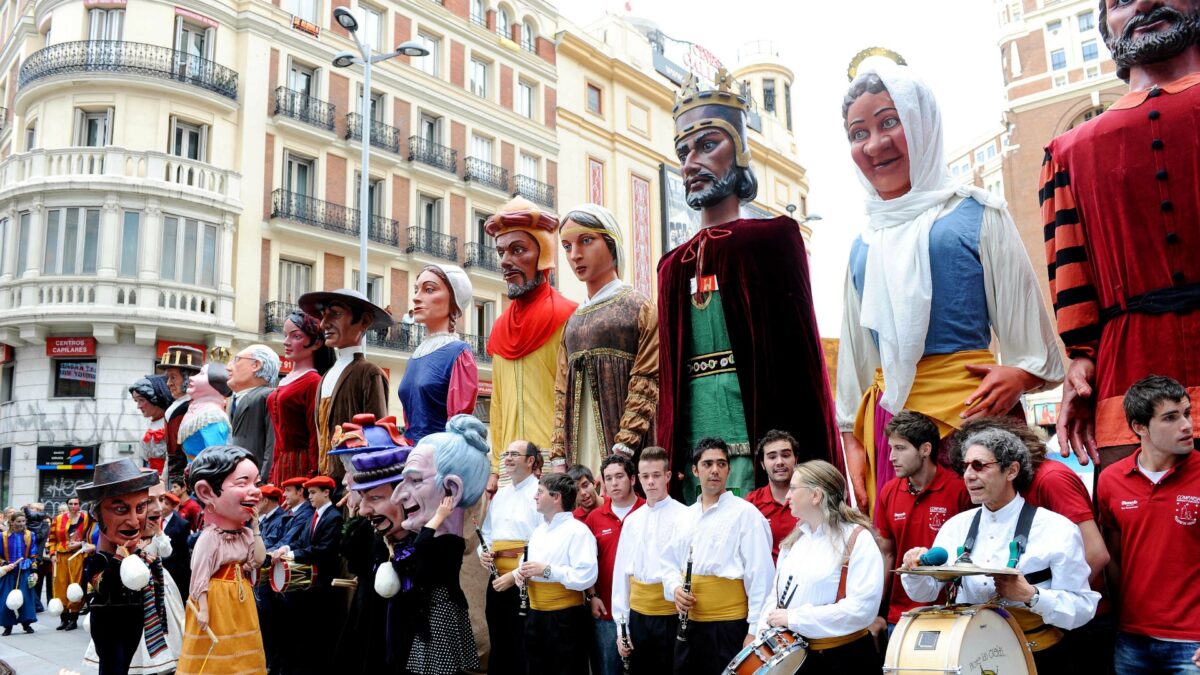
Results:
<point x="787" y="103"/>
<point x="595" y="100"/>
<point x="979" y="156"/>
<point x="374" y="195"/>
<point x="525" y="100"/>
<point x="23" y="243"/>
<point x="305" y="9"/>
<point x="295" y="279"/>
<point x="377" y="106"/>
<point x="189" y="251"/>
<point x="503" y="24"/>
<point x="74" y="378"/>
<point x="431" y="128"/>
<point x="7" y="372"/>
<point x="1087" y="21"/>
<point x="4" y="235"/>
<point x="1060" y="80"/>
<point x="481" y="235"/>
<point x="131" y="228"/>
<point x="528" y="36"/>
<point x="31" y="136"/>
<point x="303" y="81"/>
<point x="1058" y="59"/>
<point x="481" y="148"/>
<point x="1091" y="72"/>
<point x="298" y="174"/>
<point x="769" y="95"/>
<point x="106" y="24"/>
<point x="529" y="166"/>
<point x="485" y="316"/>
<point x="72" y="240"/>
<point x="93" y="129"/>
<point x="1090" y="51"/>
<point x="430" y="214"/>
<point x="479" y="78"/>
<point x="373" y="25"/>
<point x="195" y="41"/>
<point x="429" y="64"/>
<point x="374" y="286"/>
<point x="477" y="15"/>
<point x="189" y="140"/>
<point x="1053" y="27"/>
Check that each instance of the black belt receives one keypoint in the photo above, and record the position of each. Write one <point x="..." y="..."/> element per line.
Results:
<point x="1182" y="298"/>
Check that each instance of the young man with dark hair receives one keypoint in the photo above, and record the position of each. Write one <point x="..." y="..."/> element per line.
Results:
<point x="777" y="453"/>
<point x="638" y="600"/>
<point x="1150" y="512"/>
<point x="726" y="543"/>
<point x="913" y="506"/>
<point x="189" y="508"/>
<point x="561" y="566"/>
<point x="605" y="524"/>
<point x="586" y="497"/>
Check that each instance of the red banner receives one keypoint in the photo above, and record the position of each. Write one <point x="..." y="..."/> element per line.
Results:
<point x="6" y="354"/>
<point x="485" y="388"/>
<point x="71" y="346"/>
<point x="160" y="348"/>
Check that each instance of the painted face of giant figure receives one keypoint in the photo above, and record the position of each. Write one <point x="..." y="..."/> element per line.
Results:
<point x="1142" y="33"/>
<point x="341" y="330"/>
<point x="420" y="492"/>
<point x="706" y="159"/>
<point x="122" y="519"/>
<point x="233" y="500"/>
<point x="451" y="464"/>
<point x="384" y="514"/>
<point x="518" y="252"/>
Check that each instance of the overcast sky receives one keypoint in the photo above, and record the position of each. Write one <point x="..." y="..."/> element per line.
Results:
<point x="951" y="43"/>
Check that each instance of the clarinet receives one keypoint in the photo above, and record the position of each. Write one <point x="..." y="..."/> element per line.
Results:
<point x="483" y="544"/>
<point x="524" y="585"/>
<point x="687" y="588"/>
<point x="625" y="641"/>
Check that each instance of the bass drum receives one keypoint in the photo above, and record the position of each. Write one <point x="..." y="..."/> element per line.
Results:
<point x="976" y="639"/>
<point x="778" y="652"/>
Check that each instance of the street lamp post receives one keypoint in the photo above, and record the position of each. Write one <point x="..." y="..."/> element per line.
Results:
<point x="791" y="209"/>
<point x="345" y="59"/>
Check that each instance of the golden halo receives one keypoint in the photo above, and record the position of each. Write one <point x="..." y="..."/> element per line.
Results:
<point x="852" y="70"/>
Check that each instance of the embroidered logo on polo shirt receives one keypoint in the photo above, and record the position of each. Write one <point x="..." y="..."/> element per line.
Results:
<point x="937" y="517"/>
<point x="1186" y="508"/>
<point x="900" y="517"/>
<point x="1129" y="504"/>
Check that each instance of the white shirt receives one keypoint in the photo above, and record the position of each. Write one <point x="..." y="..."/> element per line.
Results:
<point x="512" y="515"/>
<point x="645" y="535"/>
<point x="568" y="547"/>
<point x="814" y="566"/>
<point x="266" y="515"/>
<point x="731" y="540"/>
<point x="1065" y="600"/>
<point x="321" y="511"/>
<point x="345" y="356"/>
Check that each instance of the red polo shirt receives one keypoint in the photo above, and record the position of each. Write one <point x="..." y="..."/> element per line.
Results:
<point x="1158" y="527"/>
<point x="1057" y="488"/>
<point x="606" y="528"/>
<point x="910" y="521"/>
<point x="778" y="515"/>
<point x="190" y="509"/>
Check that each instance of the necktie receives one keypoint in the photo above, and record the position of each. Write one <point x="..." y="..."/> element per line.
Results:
<point x="313" y="530"/>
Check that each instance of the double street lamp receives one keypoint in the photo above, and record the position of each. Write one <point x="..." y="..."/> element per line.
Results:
<point x="345" y="59"/>
<point x="791" y="209"/>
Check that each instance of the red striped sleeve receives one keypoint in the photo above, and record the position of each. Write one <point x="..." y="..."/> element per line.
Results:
<point x="1076" y="304"/>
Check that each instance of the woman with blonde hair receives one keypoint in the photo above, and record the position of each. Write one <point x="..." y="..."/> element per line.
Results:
<point x="829" y="580"/>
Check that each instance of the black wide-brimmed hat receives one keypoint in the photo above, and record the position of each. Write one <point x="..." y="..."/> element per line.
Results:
<point x="115" y="478"/>
<point x="182" y="357"/>
<point x="314" y="303"/>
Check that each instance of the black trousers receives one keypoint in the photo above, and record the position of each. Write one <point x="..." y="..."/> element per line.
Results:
<point x="556" y="643"/>
<point x="117" y="633"/>
<point x="710" y="646"/>
<point x="506" y="631"/>
<point x="859" y="656"/>
<point x="1056" y="659"/>
<point x="653" y="639"/>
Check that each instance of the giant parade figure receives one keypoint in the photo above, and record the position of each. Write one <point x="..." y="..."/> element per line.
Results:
<point x="739" y="351"/>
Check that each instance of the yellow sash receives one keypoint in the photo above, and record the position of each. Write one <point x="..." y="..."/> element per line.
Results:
<point x="940" y="386"/>
<point x="549" y="596"/>
<point x="1039" y="634"/>
<point x="506" y="564"/>
<point x="718" y="599"/>
<point x="647" y="599"/>
<point x="821" y="644"/>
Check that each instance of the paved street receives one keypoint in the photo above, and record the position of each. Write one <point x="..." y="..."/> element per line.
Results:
<point x="45" y="652"/>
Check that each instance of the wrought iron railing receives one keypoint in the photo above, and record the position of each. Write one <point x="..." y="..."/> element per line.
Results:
<point x="480" y="21"/>
<point x="275" y="313"/>
<point x="436" y="244"/>
<point x="534" y="190"/>
<point x="435" y="155"/>
<point x="486" y="173"/>
<point x="300" y="106"/>
<point x="118" y="56"/>
<point x="481" y="255"/>
<point x="332" y="217"/>
<point x="382" y="136"/>
<point x="479" y="346"/>
<point x="402" y="337"/>
<point x="4" y="118"/>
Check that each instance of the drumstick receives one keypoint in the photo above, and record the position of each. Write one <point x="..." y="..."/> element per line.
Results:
<point x="195" y="608"/>
<point x="344" y="583"/>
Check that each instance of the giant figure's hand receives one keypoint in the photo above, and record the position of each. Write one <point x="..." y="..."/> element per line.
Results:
<point x="1000" y="390"/>
<point x="857" y="467"/>
<point x="492" y="484"/>
<point x="1077" y="414"/>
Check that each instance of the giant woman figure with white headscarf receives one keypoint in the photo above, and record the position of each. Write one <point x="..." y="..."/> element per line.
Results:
<point x="939" y="269"/>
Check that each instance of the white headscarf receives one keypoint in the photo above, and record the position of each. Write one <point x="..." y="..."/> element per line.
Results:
<point x="898" y="287"/>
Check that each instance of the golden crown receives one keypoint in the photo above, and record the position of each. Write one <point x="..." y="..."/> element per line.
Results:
<point x="691" y="96"/>
<point x="852" y="70"/>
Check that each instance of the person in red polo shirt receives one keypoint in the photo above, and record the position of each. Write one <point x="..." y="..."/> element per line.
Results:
<point x="189" y="507"/>
<point x="777" y="452"/>
<point x="605" y="523"/>
<point x="586" y="497"/>
<point x="913" y="506"/>
<point x="1150" y="512"/>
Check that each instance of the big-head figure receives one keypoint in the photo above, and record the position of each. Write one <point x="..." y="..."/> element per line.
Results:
<point x="739" y="351"/>
<point x="455" y="464"/>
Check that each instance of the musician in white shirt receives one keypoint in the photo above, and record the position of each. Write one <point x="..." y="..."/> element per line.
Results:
<point x="638" y="602"/>
<point x="830" y="578"/>
<point x="1050" y="593"/>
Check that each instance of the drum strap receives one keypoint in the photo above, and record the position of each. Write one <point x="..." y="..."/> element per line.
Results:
<point x="841" y="593"/>
<point x="1019" y="543"/>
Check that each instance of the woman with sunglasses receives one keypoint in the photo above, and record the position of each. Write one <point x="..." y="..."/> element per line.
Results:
<point x="1049" y="593"/>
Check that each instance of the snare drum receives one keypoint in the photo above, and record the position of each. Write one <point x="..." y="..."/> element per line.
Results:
<point x="288" y="576"/>
<point x="958" y="639"/>
<point x="778" y="652"/>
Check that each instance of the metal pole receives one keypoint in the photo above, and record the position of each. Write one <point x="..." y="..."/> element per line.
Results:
<point x="364" y="181"/>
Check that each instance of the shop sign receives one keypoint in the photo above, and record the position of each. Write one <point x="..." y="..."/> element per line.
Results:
<point x="71" y="346"/>
<point x="66" y="457"/>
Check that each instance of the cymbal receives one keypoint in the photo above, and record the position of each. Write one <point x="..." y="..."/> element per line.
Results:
<point x="948" y="572"/>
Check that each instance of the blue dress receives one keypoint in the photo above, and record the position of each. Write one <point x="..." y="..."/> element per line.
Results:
<point x="424" y="390"/>
<point x="14" y="549"/>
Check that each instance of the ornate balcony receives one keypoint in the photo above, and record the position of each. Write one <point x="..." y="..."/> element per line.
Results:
<point x="485" y="173"/>
<point x="275" y="313"/>
<point x="436" y="244"/>
<point x="332" y="217"/>
<point x="482" y="256"/>
<point x="135" y="58"/>
<point x="533" y="190"/>
<point x="480" y="21"/>
<point x="382" y="136"/>
<point x="298" y="106"/>
<point x="433" y="154"/>
<point x="479" y="346"/>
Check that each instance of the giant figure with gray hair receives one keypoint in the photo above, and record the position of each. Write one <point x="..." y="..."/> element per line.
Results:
<point x="606" y="388"/>
<point x="252" y="377"/>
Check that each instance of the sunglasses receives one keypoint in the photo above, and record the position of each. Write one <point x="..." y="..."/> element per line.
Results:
<point x="977" y="466"/>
